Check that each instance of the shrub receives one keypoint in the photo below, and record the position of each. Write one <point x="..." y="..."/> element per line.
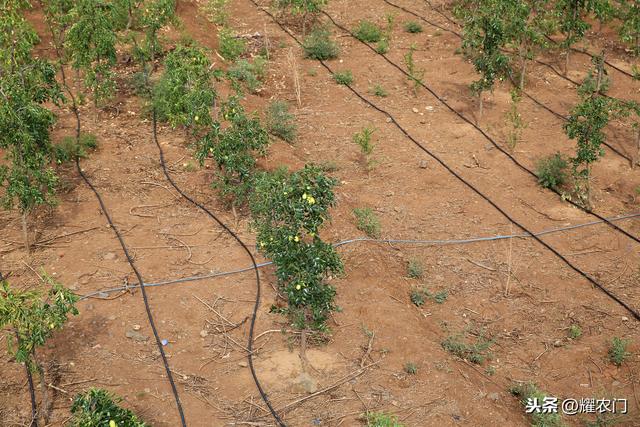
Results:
<point x="184" y="94"/>
<point x="378" y="90"/>
<point x="98" y="407"/>
<point x="383" y="46"/>
<point x="380" y="419"/>
<point x="280" y="122"/>
<point x="415" y="74"/>
<point x="368" y="32"/>
<point x="367" y="222"/>
<point x="319" y="45"/>
<point x="412" y="27"/>
<point x="69" y="149"/>
<point x="575" y="332"/>
<point x="475" y="352"/>
<point x="250" y="73"/>
<point x="528" y="392"/>
<point x="288" y="210"/>
<point x="415" y="269"/>
<point x="618" y="351"/>
<point x="418" y="295"/>
<point x="343" y="77"/>
<point x="229" y="45"/>
<point x="234" y="148"/>
<point x="551" y="171"/>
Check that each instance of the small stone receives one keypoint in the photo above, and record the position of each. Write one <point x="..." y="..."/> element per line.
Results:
<point x="557" y="343"/>
<point x="423" y="164"/>
<point x="204" y="333"/>
<point x="242" y="364"/>
<point x="109" y="256"/>
<point x="429" y="108"/>
<point x="625" y="318"/>
<point x="112" y="317"/>
<point x="414" y="109"/>
<point x="136" y="327"/>
<point x="388" y="119"/>
<point x="136" y="336"/>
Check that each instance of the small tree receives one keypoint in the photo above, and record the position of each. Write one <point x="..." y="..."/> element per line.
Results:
<point x="234" y="147"/>
<point x="26" y="84"/>
<point x="571" y="16"/>
<point x="184" y="95"/>
<point x="629" y="14"/>
<point x="586" y="125"/>
<point x="288" y="210"/>
<point x="485" y="35"/>
<point x="97" y="407"/>
<point x="91" y="44"/>
<point x="33" y="318"/>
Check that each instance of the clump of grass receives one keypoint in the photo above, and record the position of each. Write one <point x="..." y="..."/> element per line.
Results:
<point x="69" y="149"/>
<point x="527" y="392"/>
<point x="419" y="295"/>
<point x="368" y="32"/>
<point x="552" y="171"/>
<point x="367" y="222"/>
<point x="475" y="352"/>
<point x="381" y="419"/>
<point x="343" y="77"/>
<point x="379" y="91"/>
<point x="319" y="45"/>
<point x="575" y="332"/>
<point x="618" y="351"/>
<point x="230" y="46"/>
<point x="250" y="73"/>
<point x="280" y="122"/>
<point x="415" y="269"/>
<point x="383" y="46"/>
<point x="411" y="368"/>
<point x="412" y="27"/>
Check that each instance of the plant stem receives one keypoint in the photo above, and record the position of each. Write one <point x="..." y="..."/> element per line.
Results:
<point x="25" y="231"/>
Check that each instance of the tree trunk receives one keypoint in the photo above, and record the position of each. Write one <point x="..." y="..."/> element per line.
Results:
<point x="479" y="109"/>
<point x="588" y="186"/>
<point x="566" y="62"/>
<point x="637" y="148"/>
<point x="303" y="350"/>
<point x="44" y="407"/>
<point x="25" y="231"/>
<point x="32" y="391"/>
<point x="523" y="72"/>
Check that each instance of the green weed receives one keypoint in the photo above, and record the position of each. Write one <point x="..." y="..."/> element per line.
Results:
<point x="412" y="27"/>
<point x="368" y="32"/>
<point x="343" y="77"/>
<point x="367" y="222"/>
<point x="380" y="419"/>
<point x="618" y="351"/>
<point x="528" y="391"/>
<point x="415" y="269"/>
<point x="552" y="171"/>
<point x="319" y="45"/>
<point x="475" y="352"/>
<point x="229" y="45"/>
<point x="280" y="122"/>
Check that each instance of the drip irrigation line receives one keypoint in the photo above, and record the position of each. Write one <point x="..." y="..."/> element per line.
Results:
<point x="142" y="288"/>
<point x="465" y="119"/>
<point x="98" y="294"/>
<point x="594" y="282"/>
<point x="256" y="306"/>
<point x="441" y="13"/>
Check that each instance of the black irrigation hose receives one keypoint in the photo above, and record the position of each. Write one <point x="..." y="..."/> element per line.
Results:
<point x="441" y="13"/>
<point x="256" y="306"/>
<point x="595" y="283"/>
<point x="551" y="67"/>
<point x="142" y="288"/>
<point x="480" y="130"/>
